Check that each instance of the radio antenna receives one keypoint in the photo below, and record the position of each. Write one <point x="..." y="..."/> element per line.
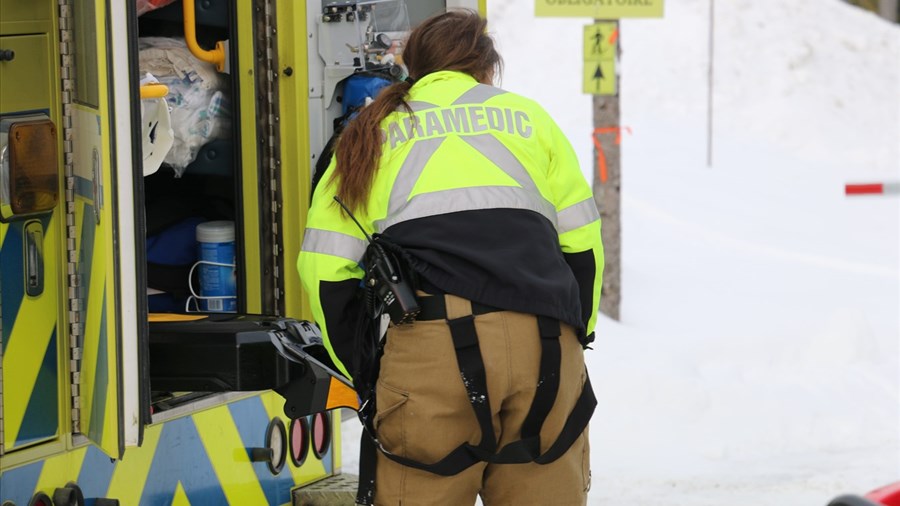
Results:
<point x="336" y="199"/>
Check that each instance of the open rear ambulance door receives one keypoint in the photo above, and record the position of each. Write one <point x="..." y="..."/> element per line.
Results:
<point x="99" y="168"/>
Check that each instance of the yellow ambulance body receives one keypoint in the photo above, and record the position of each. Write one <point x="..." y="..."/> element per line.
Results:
<point x="80" y="179"/>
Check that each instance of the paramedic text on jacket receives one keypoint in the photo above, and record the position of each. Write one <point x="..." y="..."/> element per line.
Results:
<point x="482" y="191"/>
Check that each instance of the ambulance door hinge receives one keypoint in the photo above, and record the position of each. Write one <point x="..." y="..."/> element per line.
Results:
<point x="75" y="303"/>
<point x="269" y="134"/>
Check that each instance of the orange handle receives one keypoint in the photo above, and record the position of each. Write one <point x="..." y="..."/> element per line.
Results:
<point x="154" y="91"/>
<point x="217" y="55"/>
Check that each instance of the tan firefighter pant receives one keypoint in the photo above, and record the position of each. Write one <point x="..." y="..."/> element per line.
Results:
<point x="423" y="413"/>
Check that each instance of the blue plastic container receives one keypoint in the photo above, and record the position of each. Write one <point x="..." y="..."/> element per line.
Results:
<point x="215" y="243"/>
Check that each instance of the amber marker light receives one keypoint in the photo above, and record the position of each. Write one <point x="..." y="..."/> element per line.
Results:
<point x="31" y="159"/>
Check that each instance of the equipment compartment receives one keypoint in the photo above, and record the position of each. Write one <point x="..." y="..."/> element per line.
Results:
<point x="199" y="180"/>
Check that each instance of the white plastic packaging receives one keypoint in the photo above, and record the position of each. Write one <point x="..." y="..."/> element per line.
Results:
<point x="198" y="105"/>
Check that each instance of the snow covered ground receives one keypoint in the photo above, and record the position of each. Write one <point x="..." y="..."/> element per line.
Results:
<point x="758" y="357"/>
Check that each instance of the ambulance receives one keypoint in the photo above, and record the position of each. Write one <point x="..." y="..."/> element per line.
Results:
<point x="156" y="164"/>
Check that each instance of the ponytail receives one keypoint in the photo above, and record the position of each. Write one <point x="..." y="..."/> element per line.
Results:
<point x="358" y="151"/>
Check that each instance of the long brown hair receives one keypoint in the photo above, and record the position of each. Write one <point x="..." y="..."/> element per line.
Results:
<point x="455" y="40"/>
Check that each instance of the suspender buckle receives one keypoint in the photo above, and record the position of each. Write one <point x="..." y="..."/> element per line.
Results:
<point x="463" y="331"/>
<point x="548" y="327"/>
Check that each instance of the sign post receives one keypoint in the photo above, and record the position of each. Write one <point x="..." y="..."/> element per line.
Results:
<point x="599" y="78"/>
<point x="601" y="45"/>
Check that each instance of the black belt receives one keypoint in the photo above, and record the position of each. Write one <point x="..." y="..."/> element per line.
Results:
<point x="435" y="308"/>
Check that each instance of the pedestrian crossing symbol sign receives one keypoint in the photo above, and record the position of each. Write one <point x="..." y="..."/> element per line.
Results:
<point x="600" y="41"/>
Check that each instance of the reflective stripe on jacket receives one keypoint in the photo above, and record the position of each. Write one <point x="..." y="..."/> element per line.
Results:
<point x="484" y="192"/>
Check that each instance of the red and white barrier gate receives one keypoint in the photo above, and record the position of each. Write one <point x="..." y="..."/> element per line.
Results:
<point x="872" y="188"/>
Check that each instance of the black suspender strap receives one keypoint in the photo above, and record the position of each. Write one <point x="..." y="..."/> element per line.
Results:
<point x="471" y="370"/>
<point x="365" y="491"/>
<point x="548" y="377"/>
<point x="575" y="424"/>
<point x="528" y="449"/>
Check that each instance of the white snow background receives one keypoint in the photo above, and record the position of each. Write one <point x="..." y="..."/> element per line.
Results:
<point x="758" y="357"/>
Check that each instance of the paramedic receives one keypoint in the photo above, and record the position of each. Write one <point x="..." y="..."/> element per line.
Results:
<point x="486" y="392"/>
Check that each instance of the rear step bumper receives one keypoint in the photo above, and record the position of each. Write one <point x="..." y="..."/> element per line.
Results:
<point x="337" y="490"/>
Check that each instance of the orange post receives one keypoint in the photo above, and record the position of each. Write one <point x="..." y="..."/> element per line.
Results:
<point x="601" y="156"/>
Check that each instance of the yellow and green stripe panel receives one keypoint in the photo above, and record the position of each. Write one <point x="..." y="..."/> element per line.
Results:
<point x="99" y="384"/>
<point x="204" y="458"/>
<point x="98" y="388"/>
<point x="29" y="330"/>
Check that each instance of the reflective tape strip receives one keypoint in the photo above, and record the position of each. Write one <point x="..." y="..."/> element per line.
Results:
<point x="410" y="171"/>
<point x="333" y="243"/>
<point x="578" y="215"/>
<point x="480" y="94"/>
<point x="418" y="105"/>
<point x="468" y="199"/>
<point x="494" y="150"/>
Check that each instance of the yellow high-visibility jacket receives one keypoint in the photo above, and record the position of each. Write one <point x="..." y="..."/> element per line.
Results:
<point x="483" y="191"/>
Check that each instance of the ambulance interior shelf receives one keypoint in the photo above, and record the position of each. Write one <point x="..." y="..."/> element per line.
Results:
<point x="175" y="207"/>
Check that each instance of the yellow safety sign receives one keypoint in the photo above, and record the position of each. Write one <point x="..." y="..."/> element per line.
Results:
<point x="600" y="41"/>
<point x="600" y="77"/>
<point x="599" y="9"/>
<point x="600" y="48"/>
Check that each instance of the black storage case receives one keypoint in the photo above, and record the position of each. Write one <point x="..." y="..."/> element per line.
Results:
<point x="220" y="353"/>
